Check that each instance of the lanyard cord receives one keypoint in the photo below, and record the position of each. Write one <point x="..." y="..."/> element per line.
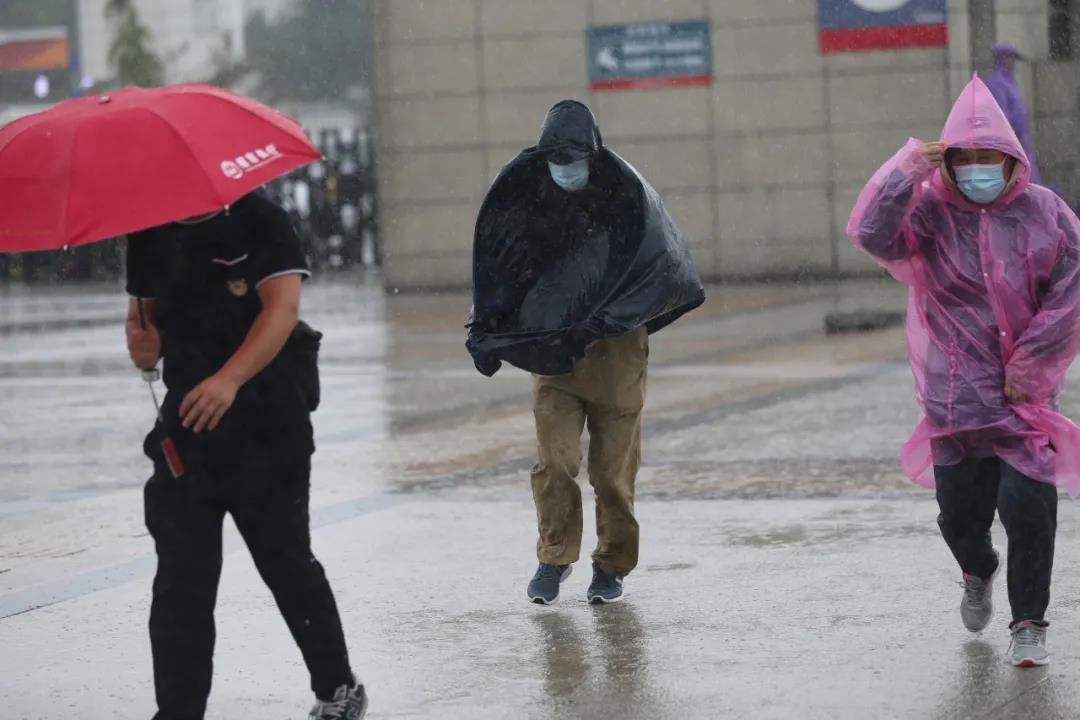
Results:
<point x="152" y="375"/>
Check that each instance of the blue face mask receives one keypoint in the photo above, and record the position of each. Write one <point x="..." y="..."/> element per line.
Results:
<point x="981" y="184"/>
<point x="574" y="176"/>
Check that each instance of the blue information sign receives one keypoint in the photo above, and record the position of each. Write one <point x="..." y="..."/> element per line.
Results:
<point x="650" y="55"/>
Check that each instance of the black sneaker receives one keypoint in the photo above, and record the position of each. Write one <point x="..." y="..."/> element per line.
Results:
<point x="348" y="704"/>
<point x="544" y="587"/>
<point x="605" y="587"/>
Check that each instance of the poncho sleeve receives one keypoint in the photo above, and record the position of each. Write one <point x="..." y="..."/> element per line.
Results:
<point x="1043" y="352"/>
<point x="881" y="223"/>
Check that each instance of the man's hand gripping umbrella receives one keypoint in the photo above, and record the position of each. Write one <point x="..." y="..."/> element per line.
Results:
<point x="144" y="346"/>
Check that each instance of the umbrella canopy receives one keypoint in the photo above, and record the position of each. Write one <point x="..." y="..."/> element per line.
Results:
<point x="107" y="165"/>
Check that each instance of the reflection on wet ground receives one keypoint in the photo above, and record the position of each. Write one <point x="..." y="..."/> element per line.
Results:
<point x="788" y="570"/>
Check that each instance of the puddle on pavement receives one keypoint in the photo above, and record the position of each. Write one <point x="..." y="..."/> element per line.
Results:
<point x="806" y="534"/>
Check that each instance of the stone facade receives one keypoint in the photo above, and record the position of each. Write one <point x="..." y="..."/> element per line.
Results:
<point x="759" y="169"/>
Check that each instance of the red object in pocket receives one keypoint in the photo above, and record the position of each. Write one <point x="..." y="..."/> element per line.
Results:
<point x="172" y="457"/>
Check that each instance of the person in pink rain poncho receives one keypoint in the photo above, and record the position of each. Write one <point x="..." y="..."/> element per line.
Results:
<point x="992" y="263"/>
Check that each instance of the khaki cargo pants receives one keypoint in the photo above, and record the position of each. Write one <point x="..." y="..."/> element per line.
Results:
<point x="606" y="391"/>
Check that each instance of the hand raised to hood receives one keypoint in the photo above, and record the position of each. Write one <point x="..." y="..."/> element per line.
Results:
<point x="933" y="153"/>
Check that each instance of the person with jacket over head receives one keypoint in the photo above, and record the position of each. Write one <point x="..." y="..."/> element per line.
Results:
<point x="576" y="263"/>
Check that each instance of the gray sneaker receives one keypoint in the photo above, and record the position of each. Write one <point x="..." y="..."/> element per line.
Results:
<point x="1028" y="647"/>
<point x="544" y="587"/>
<point x="348" y="704"/>
<point x="605" y="588"/>
<point x="977" y="606"/>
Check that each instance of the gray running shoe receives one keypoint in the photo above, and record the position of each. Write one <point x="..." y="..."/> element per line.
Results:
<point x="544" y="587"/>
<point x="977" y="606"/>
<point x="1028" y="647"/>
<point x="605" y="587"/>
<point x="348" y="704"/>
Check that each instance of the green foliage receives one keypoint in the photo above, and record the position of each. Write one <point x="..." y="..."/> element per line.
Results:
<point x="132" y="60"/>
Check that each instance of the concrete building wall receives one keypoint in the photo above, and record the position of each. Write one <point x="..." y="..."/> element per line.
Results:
<point x="759" y="170"/>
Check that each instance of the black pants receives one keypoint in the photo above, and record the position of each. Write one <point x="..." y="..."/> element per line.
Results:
<point x="269" y="502"/>
<point x="968" y="494"/>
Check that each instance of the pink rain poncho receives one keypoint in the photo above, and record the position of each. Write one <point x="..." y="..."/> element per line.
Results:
<point x="994" y="297"/>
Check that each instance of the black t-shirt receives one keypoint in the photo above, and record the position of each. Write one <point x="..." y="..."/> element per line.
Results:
<point x="203" y="278"/>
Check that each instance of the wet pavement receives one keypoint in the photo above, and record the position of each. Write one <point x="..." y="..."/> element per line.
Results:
<point x="788" y="569"/>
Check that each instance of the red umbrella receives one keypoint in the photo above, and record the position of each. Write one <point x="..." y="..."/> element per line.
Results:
<point x="107" y="165"/>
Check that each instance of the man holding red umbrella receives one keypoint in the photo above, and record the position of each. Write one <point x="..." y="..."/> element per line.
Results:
<point x="217" y="297"/>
